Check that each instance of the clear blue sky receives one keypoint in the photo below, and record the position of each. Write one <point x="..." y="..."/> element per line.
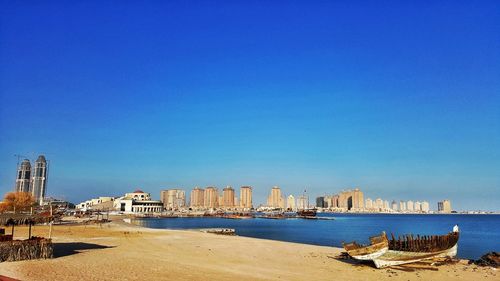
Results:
<point x="400" y="98"/>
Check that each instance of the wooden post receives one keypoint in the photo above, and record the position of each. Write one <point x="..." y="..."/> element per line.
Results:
<point x="29" y="232"/>
<point x="12" y="230"/>
<point x="50" y="223"/>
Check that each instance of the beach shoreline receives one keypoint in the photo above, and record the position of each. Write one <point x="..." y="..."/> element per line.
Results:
<point x="123" y="251"/>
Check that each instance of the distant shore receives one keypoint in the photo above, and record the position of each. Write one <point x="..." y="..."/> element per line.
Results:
<point x="121" y="251"/>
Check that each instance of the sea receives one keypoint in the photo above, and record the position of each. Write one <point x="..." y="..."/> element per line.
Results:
<point x="479" y="234"/>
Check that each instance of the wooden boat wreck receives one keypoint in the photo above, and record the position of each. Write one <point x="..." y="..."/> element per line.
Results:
<point x="378" y="246"/>
<point x="406" y="249"/>
<point x="411" y="249"/>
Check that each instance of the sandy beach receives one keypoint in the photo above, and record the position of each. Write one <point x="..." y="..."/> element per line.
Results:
<point x="119" y="251"/>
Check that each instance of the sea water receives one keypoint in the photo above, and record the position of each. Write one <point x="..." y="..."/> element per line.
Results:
<point x="479" y="234"/>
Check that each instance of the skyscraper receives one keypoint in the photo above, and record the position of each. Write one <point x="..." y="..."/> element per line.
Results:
<point x="425" y="207"/>
<point x="444" y="206"/>
<point x="410" y="206"/>
<point x="368" y="203"/>
<point x="246" y="197"/>
<point x="290" y="203"/>
<point x="211" y="198"/>
<point x="197" y="197"/>
<point x="275" y="199"/>
<point x="394" y="205"/>
<point x="228" y="197"/>
<point x="173" y="199"/>
<point x="402" y="206"/>
<point x="39" y="179"/>
<point x="23" y="178"/>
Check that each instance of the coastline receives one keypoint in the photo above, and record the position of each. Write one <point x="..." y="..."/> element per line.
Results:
<point x="123" y="251"/>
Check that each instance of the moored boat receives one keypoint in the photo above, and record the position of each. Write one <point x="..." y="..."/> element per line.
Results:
<point x="378" y="246"/>
<point x="306" y="213"/>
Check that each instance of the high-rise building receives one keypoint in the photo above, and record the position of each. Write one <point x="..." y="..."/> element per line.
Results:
<point x="320" y="201"/>
<point x="402" y="206"/>
<point x="444" y="206"/>
<point x="290" y="203"/>
<point x="425" y="207"/>
<point x="379" y="204"/>
<point x="173" y="199"/>
<point x="211" y="198"/>
<point x="368" y="203"/>
<point x="418" y="206"/>
<point x="302" y="202"/>
<point x="228" y="197"/>
<point x="410" y="206"/>
<point x="23" y="177"/>
<point x="197" y="197"/>
<point x="39" y="186"/>
<point x="246" y="197"/>
<point x="351" y="199"/>
<point x="394" y="205"/>
<point x="275" y="199"/>
<point x="386" y="205"/>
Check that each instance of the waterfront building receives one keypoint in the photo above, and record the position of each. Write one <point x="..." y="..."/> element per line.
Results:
<point x="173" y="199"/>
<point x="425" y="207"/>
<point x="137" y="202"/>
<point x="410" y="206"/>
<point x="23" y="177"/>
<point x="228" y="197"/>
<point x="444" y="206"/>
<point x="320" y="202"/>
<point x="302" y="202"/>
<point x="39" y="186"/>
<point x="275" y="199"/>
<point x="100" y="203"/>
<point x="394" y="205"/>
<point x="418" y="207"/>
<point x="386" y="205"/>
<point x="197" y="198"/>
<point x="290" y="203"/>
<point x="335" y="201"/>
<point x="221" y="201"/>
<point x="368" y="203"/>
<point x="402" y="206"/>
<point x="246" y="197"/>
<point x="379" y="204"/>
<point x="211" y="198"/>
<point x="351" y="199"/>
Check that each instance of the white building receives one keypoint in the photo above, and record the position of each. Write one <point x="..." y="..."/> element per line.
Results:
<point x="368" y="203"/>
<point x="138" y="202"/>
<point x="93" y="203"/>
<point x="418" y="206"/>
<point x="425" y="207"/>
<point x="410" y="206"/>
<point x="290" y="203"/>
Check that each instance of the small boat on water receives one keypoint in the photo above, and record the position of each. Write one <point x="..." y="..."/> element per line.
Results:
<point x="407" y="249"/>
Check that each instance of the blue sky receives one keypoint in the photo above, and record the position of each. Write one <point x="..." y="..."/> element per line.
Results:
<point x="400" y="98"/>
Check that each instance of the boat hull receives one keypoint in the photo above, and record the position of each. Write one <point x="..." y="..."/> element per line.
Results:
<point x="371" y="256"/>
<point x="391" y="257"/>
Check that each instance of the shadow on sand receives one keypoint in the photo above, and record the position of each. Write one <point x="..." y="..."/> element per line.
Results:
<point x="67" y="249"/>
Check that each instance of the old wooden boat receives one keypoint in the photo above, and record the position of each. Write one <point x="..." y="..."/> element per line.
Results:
<point x="378" y="246"/>
<point x="409" y="249"/>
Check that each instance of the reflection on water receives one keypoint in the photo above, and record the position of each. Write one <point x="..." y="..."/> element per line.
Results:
<point x="478" y="233"/>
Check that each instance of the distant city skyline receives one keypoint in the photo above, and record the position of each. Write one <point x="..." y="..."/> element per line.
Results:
<point x="323" y="96"/>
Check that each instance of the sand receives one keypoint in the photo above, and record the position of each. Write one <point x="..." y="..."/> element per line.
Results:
<point x="119" y="251"/>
